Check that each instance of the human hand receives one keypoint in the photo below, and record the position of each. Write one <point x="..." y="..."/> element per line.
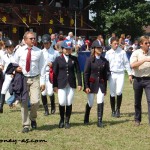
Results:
<point x="55" y="89"/>
<point x="130" y="79"/>
<point x="50" y="64"/>
<point x="79" y="88"/>
<point x="87" y="90"/>
<point x="42" y="88"/>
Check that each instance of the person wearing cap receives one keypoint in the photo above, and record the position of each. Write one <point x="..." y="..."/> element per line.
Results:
<point x="85" y="46"/>
<point x="66" y="68"/>
<point x="118" y="63"/>
<point x="49" y="57"/>
<point x="96" y="72"/>
<point x="7" y="58"/>
<point x="31" y="63"/>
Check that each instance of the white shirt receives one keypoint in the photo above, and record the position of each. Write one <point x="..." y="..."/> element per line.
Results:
<point x="66" y="58"/>
<point x="80" y="42"/>
<point x="118" y="60"/>
<point x="7" y="59"/>
<point x="37" y="62"/>
<point x="109" y="41"/>
<point x="2" y="52"/>
<point x="49" y="56"/>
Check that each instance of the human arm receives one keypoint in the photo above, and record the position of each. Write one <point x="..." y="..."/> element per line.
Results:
<point x="42" y="70"/>
<point x="87" y="72"/>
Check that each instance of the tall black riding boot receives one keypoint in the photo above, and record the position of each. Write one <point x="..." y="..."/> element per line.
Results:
<point x="62" y="113"/>
<point x="53" y="108"/>
<point x="45" y="105"/>
<point x="112" y="103"/>
<point x="119" y="101"/>
<point x="2" y="100"/>
<point x="100" y="108"/>
<point x="68" y="114"/>
<point x="87" y="114"/>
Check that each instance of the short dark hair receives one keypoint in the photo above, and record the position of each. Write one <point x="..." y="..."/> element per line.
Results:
<point x="114" y="39"/>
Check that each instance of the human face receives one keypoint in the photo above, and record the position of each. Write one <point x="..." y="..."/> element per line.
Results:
<point x="114" y="45"/>
<point x="67" y="51"/>
<point x="30" y="40"/>
<point x="53" y="36"/>
<point x="10" y="49"/>
<point x="98" y="51"/>
<point x="145" y="45"/>
<point x="47" y="45"/>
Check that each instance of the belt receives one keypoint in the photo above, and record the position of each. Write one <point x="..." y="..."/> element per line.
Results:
<point x="32" y="76"/>
<point x="141" y="78"/>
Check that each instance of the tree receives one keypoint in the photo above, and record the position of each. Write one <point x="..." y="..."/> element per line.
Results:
<point x="121" y="16"/>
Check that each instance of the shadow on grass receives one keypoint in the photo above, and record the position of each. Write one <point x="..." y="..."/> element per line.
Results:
<point x="111" y="122"/>
<point x="47" y="127"/>
<point x="55" y="126"/>
<point x="105" y="123"/>
<point x="114" y="122"/>
<point x="131" y="114"/>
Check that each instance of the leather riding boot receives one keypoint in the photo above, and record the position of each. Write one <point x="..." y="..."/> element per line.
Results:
<point x="87" y="114"/>
<point x="119" y="101"/>
<point x="44" y="101"/>
<point x="68" y="114"/>
<point x="46" y="110"/>
<point x="53" y="108"/>
<point x="62" y="113"/>
<point x="100" y="108"/>
<point x="112" y="103"/>
<point x="2" y="100"/>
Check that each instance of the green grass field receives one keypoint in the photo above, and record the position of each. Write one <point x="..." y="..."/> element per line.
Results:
<point x="118" y="133"/>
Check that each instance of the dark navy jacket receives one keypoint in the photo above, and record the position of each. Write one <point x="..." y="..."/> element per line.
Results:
<point x="96" y="73"/>
<point x="18" y="84"/>
<point x="66" y="73"/>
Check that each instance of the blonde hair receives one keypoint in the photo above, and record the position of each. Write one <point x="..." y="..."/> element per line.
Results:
<point x="2" y="45"/>
<point x="28" y="32"/>
<point x="143" y="38"/>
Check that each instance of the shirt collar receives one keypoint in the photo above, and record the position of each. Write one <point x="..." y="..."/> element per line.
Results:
<point x="148" y="52"/>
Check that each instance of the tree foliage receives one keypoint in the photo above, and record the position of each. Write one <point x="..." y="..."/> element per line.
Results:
<point x="121" y="16"/>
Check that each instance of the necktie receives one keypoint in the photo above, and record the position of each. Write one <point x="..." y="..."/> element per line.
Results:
<point x="28" y="60"/>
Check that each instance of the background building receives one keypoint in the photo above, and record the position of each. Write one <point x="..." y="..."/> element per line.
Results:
<point x="46" y="16"/>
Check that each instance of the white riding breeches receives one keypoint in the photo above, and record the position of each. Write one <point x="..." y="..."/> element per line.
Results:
<point x="65" y="96"/>
<point x="48" y="86"/>
<point x="116" y="82"/>
<point x="100" y="98"/>
<point x="6" y="83"/>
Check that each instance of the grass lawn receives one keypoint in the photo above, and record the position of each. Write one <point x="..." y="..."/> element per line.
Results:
<point x="118" y="133"/>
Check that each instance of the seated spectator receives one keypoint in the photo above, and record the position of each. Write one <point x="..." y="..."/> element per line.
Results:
<point x="85" y="46"/>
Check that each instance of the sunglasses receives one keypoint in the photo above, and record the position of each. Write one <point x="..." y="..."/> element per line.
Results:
<point x="32" y="38"/>
<point x="147" y="43"/>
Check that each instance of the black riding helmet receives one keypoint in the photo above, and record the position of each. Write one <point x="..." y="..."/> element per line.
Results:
<point x="9" y="43"/>
<point x="46" y="38"/>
